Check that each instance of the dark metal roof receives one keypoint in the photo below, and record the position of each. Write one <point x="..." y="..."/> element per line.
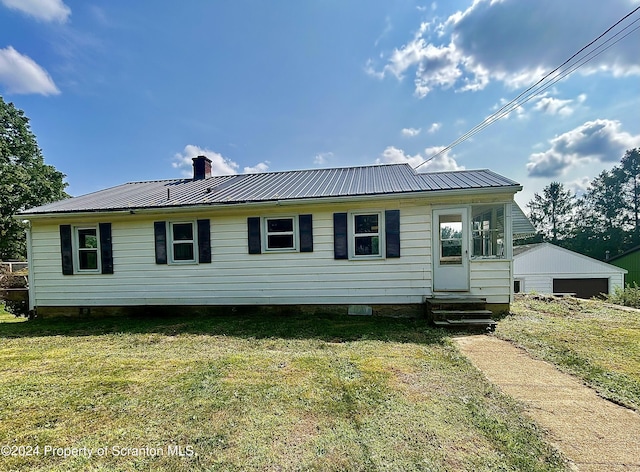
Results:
<point x="274" y="186"/>
<point x="520" y="223"/>
<point x="625" y="253"/>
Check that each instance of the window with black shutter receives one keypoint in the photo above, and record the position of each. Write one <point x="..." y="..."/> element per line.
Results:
<point x="273" y="234"/>
<point x="182" y="242"/>
<point x="86" y="249"/>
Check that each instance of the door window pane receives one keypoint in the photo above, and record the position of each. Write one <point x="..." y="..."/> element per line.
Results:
<point x="450" y="239"/>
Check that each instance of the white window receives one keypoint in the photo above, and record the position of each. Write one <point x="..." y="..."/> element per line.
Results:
<point x="280" y="234"/>
<point x="87" y="255"/>
<point x="366" y="235"/>
<point x="182" y="242"/>
<point x="518" y="286"/>
<point x="488" y="231"/>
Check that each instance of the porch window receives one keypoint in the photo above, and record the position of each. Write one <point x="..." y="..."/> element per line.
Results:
<point x="488" y="231"/>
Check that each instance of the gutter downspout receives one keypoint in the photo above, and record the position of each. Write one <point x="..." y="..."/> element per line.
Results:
<point x="508" y="236"/>
<point x="31" y="279"/>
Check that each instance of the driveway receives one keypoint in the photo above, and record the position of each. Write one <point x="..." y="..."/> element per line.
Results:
<point x="594" y="433"/>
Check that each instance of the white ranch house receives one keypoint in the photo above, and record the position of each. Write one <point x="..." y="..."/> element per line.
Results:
<point x="378" y="236"/>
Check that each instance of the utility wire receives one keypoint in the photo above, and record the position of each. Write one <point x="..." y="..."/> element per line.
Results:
<point x="533" y="93"/>
<point x="539" y="86"/>
<point x="506" y="109"/>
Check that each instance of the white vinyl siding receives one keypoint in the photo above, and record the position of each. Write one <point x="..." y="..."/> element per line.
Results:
<point x="491" y="279"/>
<point x="237" y="278"/>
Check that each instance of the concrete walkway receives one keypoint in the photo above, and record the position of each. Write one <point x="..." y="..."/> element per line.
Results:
<point x="595" y="434"/>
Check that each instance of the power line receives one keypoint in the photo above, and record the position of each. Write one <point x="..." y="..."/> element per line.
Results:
<point x="539" y="87"/>
<point x="506" y="109"/>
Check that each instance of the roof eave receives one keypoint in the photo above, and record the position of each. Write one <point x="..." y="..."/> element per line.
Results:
<point x="512" y="189"/>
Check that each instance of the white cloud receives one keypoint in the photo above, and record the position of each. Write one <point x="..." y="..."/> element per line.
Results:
<point x="258" y="168"/>
<point x="410" y="132"/>
<point x="503" y="106"/>
<point x="322" y="158"/>
<point x="484" y="43"/>
<point x="387" y="29"/>
<point x="579" y="186"/>
<point x="220" y="165"/>
<point x="554" y="106"/>
<point x="43" y="10"/>
<point x="599" y="140"/>
<point x="21" y="75"/>
<point x="442" y="162"/>
<point x="434" y="127"/>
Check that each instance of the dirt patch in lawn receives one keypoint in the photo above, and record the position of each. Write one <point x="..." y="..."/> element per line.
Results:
<point x="596" y="434"/>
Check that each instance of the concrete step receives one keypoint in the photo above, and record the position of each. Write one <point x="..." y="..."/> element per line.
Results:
<point x="469" y="321"/>
<point x="449" y="314"/>
<point x="490" y="325"/>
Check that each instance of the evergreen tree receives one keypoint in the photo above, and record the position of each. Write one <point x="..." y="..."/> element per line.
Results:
<point x="605" y="201"/>
<point x="551" y="213"/>
<point x="630" y="173"/>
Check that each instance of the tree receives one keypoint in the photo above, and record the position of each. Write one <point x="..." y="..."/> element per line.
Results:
<point x="25" y="180"/>
<point x="551" y="213"/>
<point x="605" y="201"/>
<point x="603" y="223"/>
<point x="630" y="172"/>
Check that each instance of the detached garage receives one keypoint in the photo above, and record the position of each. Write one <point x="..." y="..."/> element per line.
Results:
<point x="546" y="268"/>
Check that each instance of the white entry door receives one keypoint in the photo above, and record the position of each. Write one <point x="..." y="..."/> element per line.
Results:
<point x="450" y="250"/>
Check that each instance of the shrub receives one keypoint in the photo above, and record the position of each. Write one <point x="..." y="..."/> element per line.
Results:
<point x="629" y="296"/>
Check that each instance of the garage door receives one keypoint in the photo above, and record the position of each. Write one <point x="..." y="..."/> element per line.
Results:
<point x="583" y="288"/>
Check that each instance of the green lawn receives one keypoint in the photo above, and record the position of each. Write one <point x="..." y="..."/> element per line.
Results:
<point x="6" y="317"/>
<point x="590" y="339"/>
<point x="255" y="392"/>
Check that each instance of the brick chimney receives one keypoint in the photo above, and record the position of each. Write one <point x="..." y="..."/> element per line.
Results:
<point x="201" y="167"/>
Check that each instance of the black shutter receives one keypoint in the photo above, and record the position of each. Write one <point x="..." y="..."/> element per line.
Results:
<point x="160" y="236"/>
<point x="106" y="251"/>
<point x="305" y="226"/>
<point x="392" y="232"/>
<point x="204" y="242"/>
<point x="340" y="246"/>
<point x="66" y="249"/>
<point x="253" y="234"/>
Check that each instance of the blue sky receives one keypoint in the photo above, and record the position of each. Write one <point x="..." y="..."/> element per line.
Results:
<point x="123" y="91"/>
